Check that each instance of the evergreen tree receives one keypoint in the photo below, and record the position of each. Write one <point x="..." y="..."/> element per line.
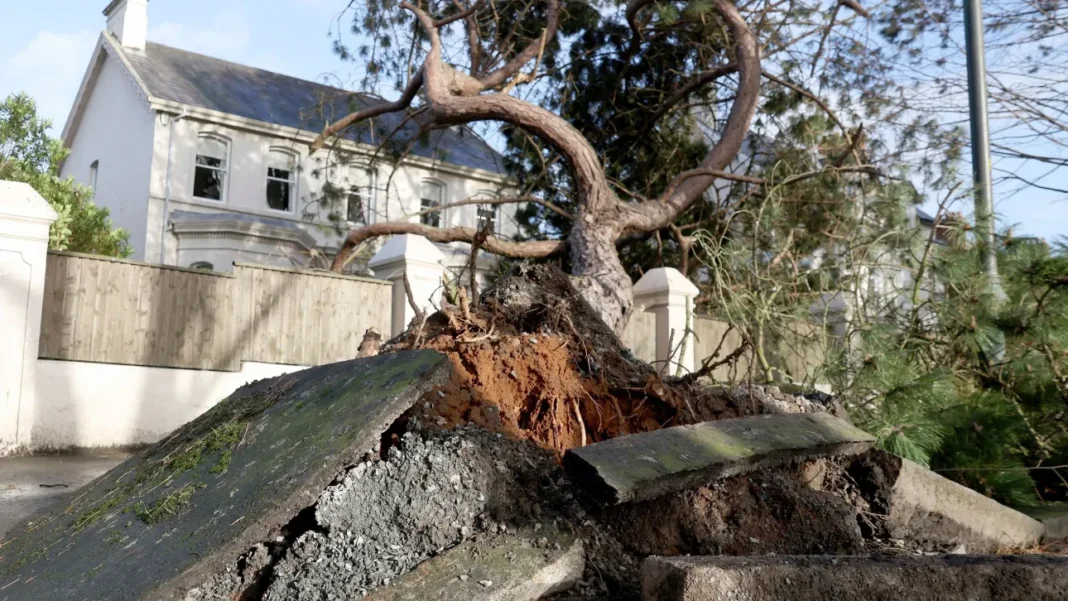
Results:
<point x="970" y="387"/>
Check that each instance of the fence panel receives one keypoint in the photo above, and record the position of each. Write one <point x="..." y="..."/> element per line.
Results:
<point x="107" y="310"/>
<point x="309" y="318"/>
<point x="710" y="333"/>
<point x="640" y="336"/>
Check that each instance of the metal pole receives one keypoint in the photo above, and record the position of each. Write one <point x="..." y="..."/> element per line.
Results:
<point x="980" y="129"/>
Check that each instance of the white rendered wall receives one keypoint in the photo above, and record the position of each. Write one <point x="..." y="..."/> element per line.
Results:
<point x="116" y="129"/>
<point x="81" y="405"/>
<point x="246" y="185"/>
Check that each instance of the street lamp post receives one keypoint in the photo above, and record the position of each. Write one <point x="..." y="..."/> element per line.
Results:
<point x="980" y="130"/>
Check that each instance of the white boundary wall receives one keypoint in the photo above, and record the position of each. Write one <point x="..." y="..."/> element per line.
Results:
<point x="83" y="404"/>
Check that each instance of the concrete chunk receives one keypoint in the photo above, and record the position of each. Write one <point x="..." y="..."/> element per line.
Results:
<point x="880" y="578"/>
<point x="645" y="466"/>
<point x="925" y="507"/>
<point x="171" y="516"/>
<point x="522" y="567"/>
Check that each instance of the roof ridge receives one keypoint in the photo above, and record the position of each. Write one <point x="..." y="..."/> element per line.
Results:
<point x="369" y="95"/>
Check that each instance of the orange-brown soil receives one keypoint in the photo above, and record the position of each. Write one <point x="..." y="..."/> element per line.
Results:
<point x="561" y="379"/>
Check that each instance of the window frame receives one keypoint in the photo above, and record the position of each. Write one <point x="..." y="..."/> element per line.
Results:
<point x="496" y="208"/>
<point x="440" y="213"/>
<point x="224" y="188"/>
<point x="293" y="181"/>
<point x="368" y="195"/>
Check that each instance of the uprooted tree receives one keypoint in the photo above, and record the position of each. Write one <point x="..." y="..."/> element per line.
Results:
<point x="502" y="39"/>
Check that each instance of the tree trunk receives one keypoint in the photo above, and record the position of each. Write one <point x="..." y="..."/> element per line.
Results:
<point x="597" y="272"/>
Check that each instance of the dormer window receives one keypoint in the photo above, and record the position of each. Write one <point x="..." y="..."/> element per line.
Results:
<point x="209" y="180"/>
<point x="281" y="180"/>
<point x="431" y="197"/>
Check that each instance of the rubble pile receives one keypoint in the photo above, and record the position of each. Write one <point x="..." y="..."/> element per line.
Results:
<point x="512" y="450"/>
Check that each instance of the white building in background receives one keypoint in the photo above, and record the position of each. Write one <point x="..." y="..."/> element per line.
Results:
<point x="205" y="162"/>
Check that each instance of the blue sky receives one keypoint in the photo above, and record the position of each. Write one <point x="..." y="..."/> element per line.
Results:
<point x="45" y="46"/>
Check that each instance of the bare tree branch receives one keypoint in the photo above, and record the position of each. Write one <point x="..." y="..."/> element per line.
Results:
<point x="855" y="7"/>
<point x="451" y="102"/>
<point x="463" y="14"/>
<point x="369" y="113"/>
<point x="474" y="47"/>
<point x="532" y="249"/>
<point x="496" y="201"/>
<point x="633" y="8"/>
<point x="655" y="214"/>
<point x="497" y="78"/>
<point x="699" y="81"/>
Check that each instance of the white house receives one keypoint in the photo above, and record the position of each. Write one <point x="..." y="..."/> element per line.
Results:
<point x="206" y="162"/>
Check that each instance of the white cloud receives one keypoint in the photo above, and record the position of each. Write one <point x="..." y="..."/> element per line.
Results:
<point x="50" y="69"/>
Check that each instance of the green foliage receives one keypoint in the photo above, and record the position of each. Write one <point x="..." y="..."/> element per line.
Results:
<point x="29" y="155"/>
<point x="969" y="385"/>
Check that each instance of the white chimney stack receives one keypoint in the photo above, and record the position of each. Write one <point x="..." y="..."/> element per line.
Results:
<point x="128" y="21"/>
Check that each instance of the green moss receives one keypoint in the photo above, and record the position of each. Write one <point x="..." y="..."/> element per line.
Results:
<point x="91" y="515"/>
<point x="167" y="506"/>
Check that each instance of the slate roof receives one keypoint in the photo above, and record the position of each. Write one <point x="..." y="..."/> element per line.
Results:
<point x="211" y="83"/>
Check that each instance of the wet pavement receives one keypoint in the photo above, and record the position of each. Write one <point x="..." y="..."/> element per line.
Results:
<point x="31" y="484"/>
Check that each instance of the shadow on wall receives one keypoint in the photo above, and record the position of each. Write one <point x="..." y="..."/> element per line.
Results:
<point x="118" y="398"/>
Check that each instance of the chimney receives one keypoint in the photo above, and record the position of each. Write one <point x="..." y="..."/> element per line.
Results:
<point x="128" y="21"/>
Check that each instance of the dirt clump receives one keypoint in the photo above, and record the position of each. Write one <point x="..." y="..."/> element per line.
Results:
<point x="757" y="514"/>
<point x="534" y="362"/>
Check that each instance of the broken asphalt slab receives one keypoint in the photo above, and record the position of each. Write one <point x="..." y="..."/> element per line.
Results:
<point x="517" y="567"/>
<point x="878" y="578"/>
<point x="644" y="466"/>
<point x="167" y="518"/>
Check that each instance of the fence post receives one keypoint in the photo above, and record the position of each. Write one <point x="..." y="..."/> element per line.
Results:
<point x="24" y="221"/>
<point x="422" y="261"/>
<point x="667" y="293"/>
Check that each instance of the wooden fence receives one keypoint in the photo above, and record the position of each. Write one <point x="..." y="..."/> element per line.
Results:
<point x="798" y="352"/>
<point x="114" y="311"/>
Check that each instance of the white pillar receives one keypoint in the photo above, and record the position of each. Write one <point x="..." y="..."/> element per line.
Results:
<point x="24" y="221"/>
<point x="422" y="261"/>
<point x="667" y="293"/>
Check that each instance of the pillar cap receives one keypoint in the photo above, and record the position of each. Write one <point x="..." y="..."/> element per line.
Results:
<point x="20" y="201"/>
<point x="664" y="280"/>
<point x="408" y="248"/>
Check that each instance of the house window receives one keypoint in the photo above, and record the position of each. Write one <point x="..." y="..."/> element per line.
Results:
<point x="281" y="180"/>
<point x="487" y="218"/>
<point x="94" y="170"/>
<point x="209" y="181"/>
<point x="360" y="207"/>
<point x="431" y="197"/>
<point x="202" y="266"/>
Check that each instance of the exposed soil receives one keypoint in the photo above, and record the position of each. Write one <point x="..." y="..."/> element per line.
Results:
<point x="534" y="362"/>
<point x="758" y="514"/>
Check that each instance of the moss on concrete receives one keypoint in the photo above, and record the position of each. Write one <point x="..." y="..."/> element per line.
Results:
<point x="643" y="466"/>
<point x="245" y="466"/>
